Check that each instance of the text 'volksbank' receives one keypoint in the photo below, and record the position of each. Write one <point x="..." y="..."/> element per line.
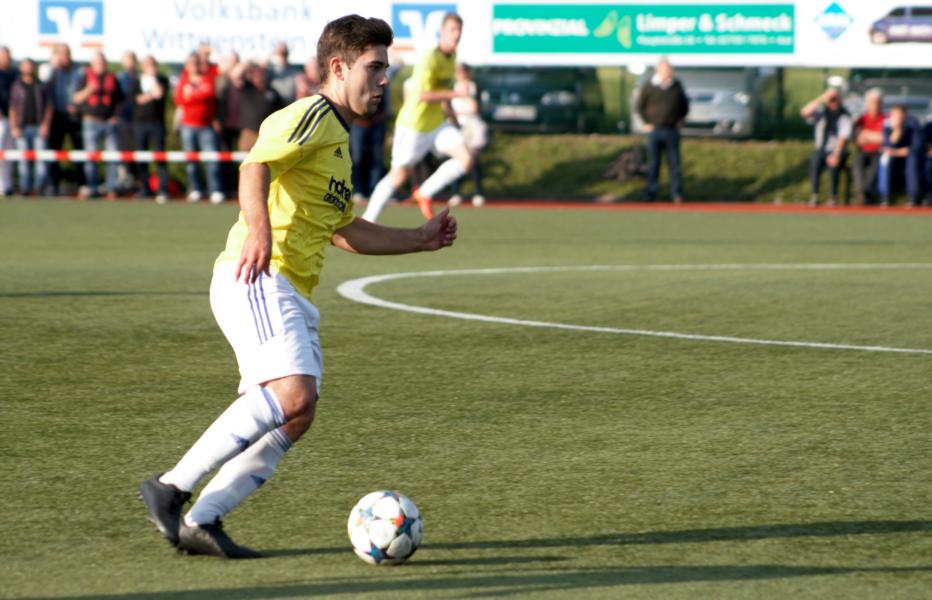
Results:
<point x="247" y="10"/>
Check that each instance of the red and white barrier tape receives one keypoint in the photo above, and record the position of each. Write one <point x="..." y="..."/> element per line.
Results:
<point x="121" y="156"/>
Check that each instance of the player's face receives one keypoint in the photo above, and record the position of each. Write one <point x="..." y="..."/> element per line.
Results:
<point x="367" y="81"/>
<point x="450" y="33"/>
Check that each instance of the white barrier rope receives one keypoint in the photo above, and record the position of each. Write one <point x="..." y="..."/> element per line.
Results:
<point x="121" y="156"/>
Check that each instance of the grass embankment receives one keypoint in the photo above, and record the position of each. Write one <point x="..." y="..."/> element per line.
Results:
<point x="573" y="167"/>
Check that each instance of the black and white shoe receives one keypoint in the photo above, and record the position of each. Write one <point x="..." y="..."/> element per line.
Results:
<point x="211" y="540"/>
<point x="164" y="503"/>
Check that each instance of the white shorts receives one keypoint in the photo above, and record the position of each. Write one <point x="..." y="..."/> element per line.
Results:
<point x="273" y="329"/>
<point x="410" y="146"/>
<point x="474" y="132"/>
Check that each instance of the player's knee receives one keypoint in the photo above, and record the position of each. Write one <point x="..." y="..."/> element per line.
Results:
<point x="302" y="403"/>
<point x="398" y="176"/>
<point x="297" y="396"/>
<point x="464" y="157"/>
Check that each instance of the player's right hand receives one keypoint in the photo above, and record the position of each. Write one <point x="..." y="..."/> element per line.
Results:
<point x="255" y="257"/>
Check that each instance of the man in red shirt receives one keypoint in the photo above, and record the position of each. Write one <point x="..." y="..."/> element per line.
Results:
<point x="868" y="136"/>
<point x="100" y="99"/>
<point x="196" y="97"/>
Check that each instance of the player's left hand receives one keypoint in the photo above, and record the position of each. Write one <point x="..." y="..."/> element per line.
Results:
<point x="439" y="232"/>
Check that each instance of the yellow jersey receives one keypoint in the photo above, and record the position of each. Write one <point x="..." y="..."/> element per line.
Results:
<point x="434" y="72"/>
<point x="306" y="148"/>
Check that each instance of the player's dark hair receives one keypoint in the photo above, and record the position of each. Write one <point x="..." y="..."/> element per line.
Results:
<point x="451" y="16"/>
<point x="900" y="107"/>
<point x="347" y="38"/>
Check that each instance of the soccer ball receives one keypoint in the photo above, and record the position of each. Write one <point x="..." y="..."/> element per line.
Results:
<point x="385" y="528"/>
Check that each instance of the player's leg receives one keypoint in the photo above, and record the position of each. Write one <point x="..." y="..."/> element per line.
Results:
<point x="251" y="318"/>
<point x="816" y="164"/>
<point x="242" y="423"/>
<point x="448" y="142"/>
<point x="201" y="531"/>
<point x="654" y="146"/>
<point x="673" y="163"/>
<point x="408" y="148"/>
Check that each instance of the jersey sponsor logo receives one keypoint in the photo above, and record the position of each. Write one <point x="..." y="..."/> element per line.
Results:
<point x="338" y="152"/>
<point x="77" y="22"/>
<point x="338" y="193"/>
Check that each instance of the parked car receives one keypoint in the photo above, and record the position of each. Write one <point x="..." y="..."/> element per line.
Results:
<point x="911" y="88"/>
<point x="722" y="101"/>
<point x="903" y="24"/>
<point x="546" y="99"/>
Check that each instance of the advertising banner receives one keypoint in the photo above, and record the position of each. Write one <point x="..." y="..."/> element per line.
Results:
<point x="818" y="33"/>
<point x="639" y="28"/>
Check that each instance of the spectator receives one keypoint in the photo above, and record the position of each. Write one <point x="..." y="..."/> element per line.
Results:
<point x="7" y="77"/>
<point x="226" y="123"/>
<point x="307" y="82"/>
<point x="868" y="135"/>
<point x="257" y="101"/>
<point x="195" y="95"/>
<point x="149" y="95"/>
<point x="475" y="131"/>
<point x="30" y="119"/>
<point x="282" y="74"/>
<point x="66" y="118"/>
<point x="902" y="150"/>
<point x="99" y="98"/>
<point x="663" y="105"/>
<point x="127" y="79"/>
<point x="832" y="132"/>
<point x="205" y="52"/>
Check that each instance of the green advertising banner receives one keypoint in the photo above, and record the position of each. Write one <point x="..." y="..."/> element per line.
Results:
<point x="644" y="28"/>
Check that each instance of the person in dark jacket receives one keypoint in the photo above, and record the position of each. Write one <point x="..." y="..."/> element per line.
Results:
<point x="7" y="77"/>
<point x="66" y="118"/>
<point x="149" y="94"/>
<point x="257" y="101"/>
<point x="100" y="99"/>
<point x="663" y="105"/>
<point x="30" y="120"/>
<point x="902" y="154"/>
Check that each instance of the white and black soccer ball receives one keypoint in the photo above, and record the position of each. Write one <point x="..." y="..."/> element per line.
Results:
<point x="385" y="528"/>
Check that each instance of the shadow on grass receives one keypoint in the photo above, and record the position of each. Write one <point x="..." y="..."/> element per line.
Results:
<point x="507" y="584"/>
<point x="716" y="534"/>
<point x="684" y="536"/>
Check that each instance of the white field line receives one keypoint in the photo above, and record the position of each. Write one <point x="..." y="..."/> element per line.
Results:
<point x="355" y="290"/>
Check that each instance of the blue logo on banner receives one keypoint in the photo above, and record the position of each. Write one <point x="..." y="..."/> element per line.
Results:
<point x="418" y="21"/>
<point x="834" y="21"/>
<point x="71" y="18"/>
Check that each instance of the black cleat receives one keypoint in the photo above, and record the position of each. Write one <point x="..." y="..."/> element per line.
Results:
<point x="164" y="503"/>
<point x="211" y="540"/>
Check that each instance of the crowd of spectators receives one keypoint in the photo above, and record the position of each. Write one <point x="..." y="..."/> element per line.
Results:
<point x="218" y="106"/>
<point x="892" y="150"/>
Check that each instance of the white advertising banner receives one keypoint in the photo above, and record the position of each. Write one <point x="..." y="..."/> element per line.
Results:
<point x="843" y="33"/>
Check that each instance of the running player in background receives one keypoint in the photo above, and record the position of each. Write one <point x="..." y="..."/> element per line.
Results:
<point x="421" y="127"/>
<point x="295" y="193"/>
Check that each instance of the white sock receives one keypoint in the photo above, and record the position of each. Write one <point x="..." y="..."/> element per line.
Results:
<point x="383" y="192"/>
<point x="245" y="421"/>
<point x="447" y="173"/>
<point x="238" y="478"/>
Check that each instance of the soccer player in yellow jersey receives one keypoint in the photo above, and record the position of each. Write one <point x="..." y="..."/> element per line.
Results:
<point x="295" y="192"/>
<point x="421" y="127"/>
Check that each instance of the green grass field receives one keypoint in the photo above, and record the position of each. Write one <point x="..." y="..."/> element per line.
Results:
<point x="547" y="463"/>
